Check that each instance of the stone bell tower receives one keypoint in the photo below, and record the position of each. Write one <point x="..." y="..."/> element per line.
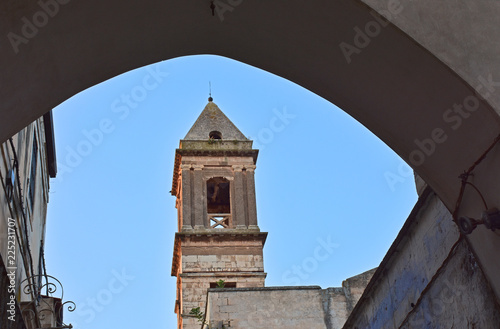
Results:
<point x="218" y="237"/>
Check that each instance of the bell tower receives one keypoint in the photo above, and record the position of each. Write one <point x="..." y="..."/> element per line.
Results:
<point x="218" y="236"/>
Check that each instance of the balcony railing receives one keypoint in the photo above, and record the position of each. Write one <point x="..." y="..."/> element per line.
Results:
<point x="220" y="221"/>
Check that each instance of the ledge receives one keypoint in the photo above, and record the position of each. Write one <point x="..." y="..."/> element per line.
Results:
<point x="264" y="289"/>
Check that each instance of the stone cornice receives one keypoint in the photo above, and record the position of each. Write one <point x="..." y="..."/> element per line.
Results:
<point x="192" y="152"/>
<point x="229" y="234"/>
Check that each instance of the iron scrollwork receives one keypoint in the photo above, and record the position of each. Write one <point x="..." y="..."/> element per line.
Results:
<point x="45" y="303"/>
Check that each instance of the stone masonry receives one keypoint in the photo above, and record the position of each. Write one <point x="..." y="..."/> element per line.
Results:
<point x="285" y="307"/>
<point x="218" y="237"/>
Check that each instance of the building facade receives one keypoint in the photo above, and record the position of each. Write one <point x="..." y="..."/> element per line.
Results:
<point x="27" y="162"/>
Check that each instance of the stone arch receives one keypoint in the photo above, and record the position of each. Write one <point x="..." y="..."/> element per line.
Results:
<point x="423" y="84"/>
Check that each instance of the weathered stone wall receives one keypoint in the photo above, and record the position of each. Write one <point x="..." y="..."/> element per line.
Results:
<point x="428" y="279"/>
<point x="195" y="286"/>
<point x="285" y="307"/>
<point x="199" y="271"/>
<point x="272" y="307"/>
<point x="192" y="175"/>
<point x="353" y="289"/>
<point x="222" y="250"/>
<point x="459" y="297"/>
<point x="227" y="263"/>
<point x="208" y="257"/>
<point x="194" y="291"/>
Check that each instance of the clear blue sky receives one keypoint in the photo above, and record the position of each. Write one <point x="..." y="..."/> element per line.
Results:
<point x="331" y="195"/>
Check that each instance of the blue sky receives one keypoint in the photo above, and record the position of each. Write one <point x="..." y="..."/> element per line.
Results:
<point x="331" y="195"/>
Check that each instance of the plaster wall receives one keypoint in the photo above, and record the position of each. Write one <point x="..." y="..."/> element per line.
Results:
<point x="458" y="33"/>
<point x="35" y="214"/>
<point x="459" y="297"/>
<point x="429" y="279"/>
<point x="4" y="308"/>
<point x="30" y="228"/>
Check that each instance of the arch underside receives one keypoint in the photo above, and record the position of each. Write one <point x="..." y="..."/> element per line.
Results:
<point x="408" y="83"/>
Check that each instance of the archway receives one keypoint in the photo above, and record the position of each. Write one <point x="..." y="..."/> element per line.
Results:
<point x="308" y="170"/>
<point x="414" y="102"/>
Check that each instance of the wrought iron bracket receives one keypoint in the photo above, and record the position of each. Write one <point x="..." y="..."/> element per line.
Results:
<point x="47" y="303"/>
